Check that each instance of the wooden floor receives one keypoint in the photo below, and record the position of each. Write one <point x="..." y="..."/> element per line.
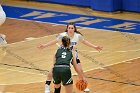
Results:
<point x="23" y="67"/>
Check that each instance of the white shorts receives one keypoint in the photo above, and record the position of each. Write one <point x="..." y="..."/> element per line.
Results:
<point x="2" y="16"/>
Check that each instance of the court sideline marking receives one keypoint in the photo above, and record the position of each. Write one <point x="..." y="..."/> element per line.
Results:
<point x="45" y="75"/>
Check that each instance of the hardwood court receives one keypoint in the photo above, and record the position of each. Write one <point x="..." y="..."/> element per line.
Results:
<point x="23" y="68"/>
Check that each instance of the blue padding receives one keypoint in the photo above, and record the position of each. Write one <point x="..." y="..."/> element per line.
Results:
<point x="102" y="5"/>
<point x="85" y="3"/>
<point x="106" y="5"/>
<point x="62" y="18"/>
<point x="131" y="5"/>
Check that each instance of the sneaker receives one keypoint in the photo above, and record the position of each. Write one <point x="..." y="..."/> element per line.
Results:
<point x="47" y="88"/>
<point x="86" y="90"/>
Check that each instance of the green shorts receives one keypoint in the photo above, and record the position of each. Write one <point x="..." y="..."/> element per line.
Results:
<point x="62" y="74"/>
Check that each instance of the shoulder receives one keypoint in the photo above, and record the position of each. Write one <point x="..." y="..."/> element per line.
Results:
<point x="63" y="34"/>
<point x="0" y="7"/>
<point x="78" y="35"/>
<point x="58" y="50"/>
<point x="60" y="35"/>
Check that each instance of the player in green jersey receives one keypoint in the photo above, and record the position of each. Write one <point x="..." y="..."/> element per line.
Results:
<point x="61" y="68"/>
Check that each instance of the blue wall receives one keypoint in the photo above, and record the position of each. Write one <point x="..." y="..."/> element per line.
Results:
<point x="62" y="18"/>
<point x="102" y="5"/>
<point x="106" y="5"/>
<point x="131" y="5"/>
<point x="85" y="3"/>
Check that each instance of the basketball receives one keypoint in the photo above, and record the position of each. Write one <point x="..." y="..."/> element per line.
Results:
<point x="81" y="85"/>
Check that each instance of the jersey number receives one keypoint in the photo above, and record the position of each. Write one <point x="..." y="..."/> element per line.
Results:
<point x="64" y="55"/>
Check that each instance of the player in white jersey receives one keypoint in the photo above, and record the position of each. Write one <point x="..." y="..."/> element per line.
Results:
<point x="2" y="20"/>
<point x="74" y="39"/>
<point x="75" y="36"/>
<point x="2" y="38"/>
<point x="2" y="14"/>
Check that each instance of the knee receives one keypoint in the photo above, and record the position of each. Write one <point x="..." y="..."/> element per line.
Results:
<point x="57" y="88"/>
<point x="50" y="74"/>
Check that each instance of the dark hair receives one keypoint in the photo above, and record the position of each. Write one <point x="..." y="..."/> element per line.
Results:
<point x="75" y="29"/>
<point x="66" y="41"/>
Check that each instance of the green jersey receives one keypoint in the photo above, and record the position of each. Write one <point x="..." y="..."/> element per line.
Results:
<point x="63" y="56"/>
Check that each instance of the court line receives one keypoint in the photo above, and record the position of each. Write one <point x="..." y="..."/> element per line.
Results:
<point x="22" y="71"/>
<point x="125" y="61"/>
<point x="17" y="66"/>
<point x="53" y="35"/>
<point x="76" y="26"/>
<point x="54" y="24"/>
<point x="81" y="50"/>
<point x="111" y="51"/>
<point x="109" y="80"/>
<point x="73" y="74"/>
<point x="84" y="71"/>
<point x="32" y="39"/>
<point x="60" y="24"/>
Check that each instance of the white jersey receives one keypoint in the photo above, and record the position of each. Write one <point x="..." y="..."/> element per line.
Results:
<point x="74" y="39"/>
<point x="1" y="8"/>
<point x="2" y="16"/>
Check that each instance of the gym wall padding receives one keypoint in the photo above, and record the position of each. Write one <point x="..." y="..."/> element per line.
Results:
<point x="106" y="5"/>
<point x="85" y="3"/>
<point x="131" y="5"/>
<point x="102" y="5"/>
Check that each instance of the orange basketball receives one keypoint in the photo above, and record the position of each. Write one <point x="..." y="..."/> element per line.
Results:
<point x="81" y="85"/>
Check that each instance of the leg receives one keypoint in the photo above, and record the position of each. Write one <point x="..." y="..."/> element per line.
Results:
<point x="57" y="88"/>
<point x="49" y="77"/>
<point x="48" y="82"/>
<point x="57" y="80"/>
<point x="69" y="88"/>
<point x="67" y="80"/>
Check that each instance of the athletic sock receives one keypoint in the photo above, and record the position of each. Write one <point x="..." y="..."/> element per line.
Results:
<point x="48" y="82"/>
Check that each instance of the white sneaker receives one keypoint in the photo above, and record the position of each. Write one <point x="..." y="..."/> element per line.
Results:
<point x="86" y="90"/>
<point x="47" y="88"/>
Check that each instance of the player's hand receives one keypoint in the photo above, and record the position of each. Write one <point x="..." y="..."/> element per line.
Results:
<point x="99" y="48"/>
<point x="41" y="46"/>
<point x="83" y="79"/>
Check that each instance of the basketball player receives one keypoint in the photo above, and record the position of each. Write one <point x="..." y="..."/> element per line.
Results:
<point x="75" y="36"/>
<point x="2" y="38"/>
<point x="2" y="20"/>
<point x="61" y="69"/>
<point x="2" y="14"/>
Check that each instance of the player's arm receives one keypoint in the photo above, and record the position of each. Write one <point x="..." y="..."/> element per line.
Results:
<point x="54" y="61"/>
<point x="54" y="58"/>
<point x="81" y="38"/>
<point x="80" y="73"/>
<point x="99" y="48"/>
<point x="41" y="46"/>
